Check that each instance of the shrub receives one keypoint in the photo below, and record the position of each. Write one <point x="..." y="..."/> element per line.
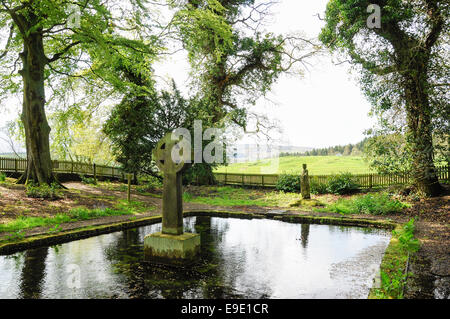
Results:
<point x="288" y="183"/>
<point x="149" y="185"/>
<point x="378" y="204"/>
<point x="88" y="180"/>
<point x="342" y="184"/>
<point x="374" y="204"/>
<point x="318" y="188"/>
<point x="406" y="237"/>
<point x="2" y="177"/>
<point x="43" y="191"/>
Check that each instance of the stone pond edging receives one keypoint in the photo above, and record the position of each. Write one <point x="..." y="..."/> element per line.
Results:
<point x="11" y="247"/>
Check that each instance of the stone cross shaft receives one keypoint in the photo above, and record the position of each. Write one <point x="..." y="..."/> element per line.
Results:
<point x="172" y="207"/>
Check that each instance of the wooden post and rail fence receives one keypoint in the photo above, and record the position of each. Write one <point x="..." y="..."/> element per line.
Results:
<point x="371" y="180"/>
<point x="18" y="165"/>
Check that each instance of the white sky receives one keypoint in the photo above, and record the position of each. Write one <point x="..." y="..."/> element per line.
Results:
<point x="325" y="108"/>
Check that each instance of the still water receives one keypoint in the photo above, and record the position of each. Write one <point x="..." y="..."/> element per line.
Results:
<point x="239" y="259"/>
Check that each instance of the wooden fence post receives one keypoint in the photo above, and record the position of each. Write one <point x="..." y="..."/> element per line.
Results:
<point x="15" y="165"/>
<point x="129" y="188"/>
<point x="370" y="181"/>
<point x="95" y="173"/>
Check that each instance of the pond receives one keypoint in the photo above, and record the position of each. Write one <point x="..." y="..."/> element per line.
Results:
<point x="240" y="259"/>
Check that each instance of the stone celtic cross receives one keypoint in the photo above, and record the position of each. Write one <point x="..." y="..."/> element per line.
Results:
<point x="165" y="155"/>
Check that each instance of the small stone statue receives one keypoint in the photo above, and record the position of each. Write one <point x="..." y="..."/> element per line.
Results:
<point x="304" y="183"/>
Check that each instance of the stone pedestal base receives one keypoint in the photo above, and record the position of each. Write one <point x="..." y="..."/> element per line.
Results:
<point x="168" y="249"/>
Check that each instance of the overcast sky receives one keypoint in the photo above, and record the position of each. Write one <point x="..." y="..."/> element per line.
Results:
<point x="324" y="108"/>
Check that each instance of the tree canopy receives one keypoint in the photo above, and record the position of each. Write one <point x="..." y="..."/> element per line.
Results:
<point x="234" y="61"/>
<point x="404" y="68"/>
<point x="51" y="42"/>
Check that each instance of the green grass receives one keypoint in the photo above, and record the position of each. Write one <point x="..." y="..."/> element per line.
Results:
<point x="231" y="196"/>
<point x="134" y="207"/>
<point x="393" y="276"/>
<point x="75" y="214"/>
<point x="317" y="165"/>
<point x="374" y="204"/>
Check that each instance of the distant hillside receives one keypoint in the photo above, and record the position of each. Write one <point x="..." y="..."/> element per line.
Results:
<point x="340" y="150"/>
<point x="13" y="155"/>
<point x="317" y="165"/>
<point x="254" y="152"/>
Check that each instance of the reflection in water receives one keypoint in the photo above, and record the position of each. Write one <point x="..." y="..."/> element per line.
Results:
<point x="33" y="273"/>
<point x="305" y="234"/>
<point x="239" y="259"/>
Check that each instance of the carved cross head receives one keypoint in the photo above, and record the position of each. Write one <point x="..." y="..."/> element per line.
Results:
<point x="169" y="155"/>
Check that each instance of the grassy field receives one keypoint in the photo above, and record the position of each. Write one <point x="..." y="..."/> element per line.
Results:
<point x="317" y="165"/>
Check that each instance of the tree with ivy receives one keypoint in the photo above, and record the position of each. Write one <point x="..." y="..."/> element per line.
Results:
<point x="234" y="62"/>
<point x="403" y="58"/>
<point x="50" y="41"/>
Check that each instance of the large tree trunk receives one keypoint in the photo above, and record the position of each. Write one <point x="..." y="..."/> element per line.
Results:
<point x="37" y="130"/>
<point x="419" y="135"/>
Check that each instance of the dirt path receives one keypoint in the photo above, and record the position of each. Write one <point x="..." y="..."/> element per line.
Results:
<point x="430" y="267"/>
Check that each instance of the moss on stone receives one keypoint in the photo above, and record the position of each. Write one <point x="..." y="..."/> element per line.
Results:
<point x="306" y="203"/>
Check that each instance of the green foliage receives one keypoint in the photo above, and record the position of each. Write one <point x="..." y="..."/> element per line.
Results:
<point x="393" y="276"/>
<point x="71" y="47"/>
<point x="342" y="184"/>
<point x="55" y="229"/>
<point x="199" y="25"/>
<point x="288" y="183"/>
<point x="16" y="236"/>
<point x="199" y="174"/>
<point x="77" y="136"/>
<point x="233" y="61"/>
<point x="318" y="188"/>
<point x="44" y="191"/>
<point x="236" y="196"/>
<point x="405" y="81"/>
<point x="2" y="177"/>
<point x="391" y="153"/>
<point x="149" y="185"/>
<point x="406" y="237"/>
<point x="392" y="284"/>
<point x="373" y="204"/>
<point x="388" y="154"/>
<point x="88" y="180"/>
<point x="346" y="150"/>
<point x="86" y="214"/>
<point x="136" y="125"/>
<point x="377" y="204"/>
<point x="75" y="214"/>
